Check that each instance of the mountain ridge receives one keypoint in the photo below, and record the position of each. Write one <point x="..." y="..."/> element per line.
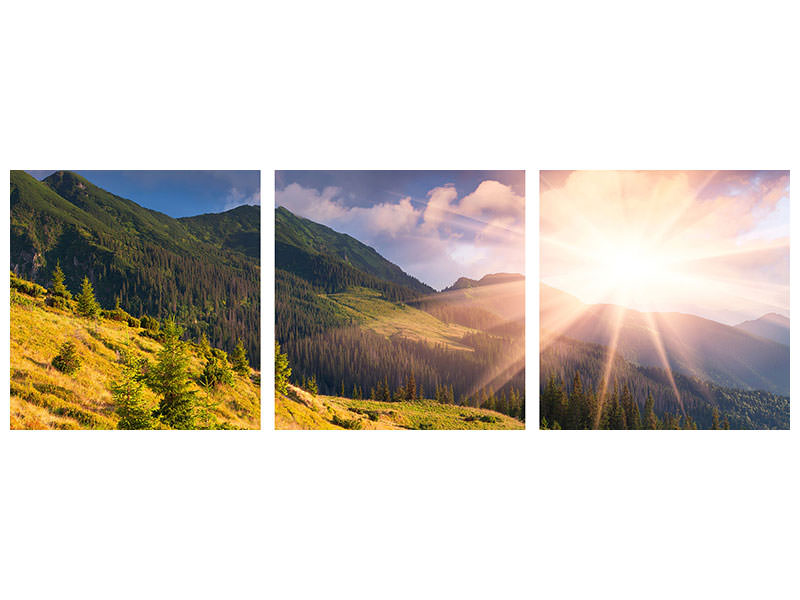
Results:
<point x="694" y="346"/>
<point x="488" y="279"/>
<point x="771" y="326"/>
<point x="152" y="263"/>
<point x="315" y="238"/>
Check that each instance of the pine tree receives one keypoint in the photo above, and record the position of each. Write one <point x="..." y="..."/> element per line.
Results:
<point x="282" y="370"/>
<point x="312" y="385"/>
<point x="715" y="419"/>
<point x="617" y="415"/>
<point x="577" y="401"/>
<point x="127" y="394"/>
<point x="204" y="408"/>
<point x="87" y="303"/>
<point x="628" y="404"/>
<point x="725" y="423"/>
<point x="203" y="346"/>
<point x="169" y="378"/>
<point x="400" y="394"/>
<point x="67" y="360"/>
<point x="650" y="418"/>
<point x="239" y="360"/>
<point x="562" y="405"/>
<point x="216" y="371"/>
<point x="341" y="392"/>
<point x="59" y="289"/>
<point x="634" y="416"/>
<point x="411" y="388"/>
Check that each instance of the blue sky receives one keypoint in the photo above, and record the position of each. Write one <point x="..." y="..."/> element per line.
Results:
<point x="178" y="193"/>
<point x="436" y="225"/>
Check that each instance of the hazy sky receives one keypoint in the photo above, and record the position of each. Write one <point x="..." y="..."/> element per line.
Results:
<point x="436" y="225"/>
<point x="711" y="243"/>
<point x="178" y="193"/>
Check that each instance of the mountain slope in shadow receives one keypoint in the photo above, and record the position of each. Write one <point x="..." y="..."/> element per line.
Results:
<point x="694" y="346"/>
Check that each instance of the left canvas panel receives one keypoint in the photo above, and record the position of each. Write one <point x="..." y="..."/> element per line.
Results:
<point x="135" y="300"/>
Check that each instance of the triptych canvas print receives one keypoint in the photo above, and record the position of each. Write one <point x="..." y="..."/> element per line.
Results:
<point x="399" y="300"/>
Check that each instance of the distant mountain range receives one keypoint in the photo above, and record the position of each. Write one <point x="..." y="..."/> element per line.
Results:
<point x="771" y="327"/>
<point x="492" y="279"/>
<point x="203" y="269"/>
<point x="750" y="356"/>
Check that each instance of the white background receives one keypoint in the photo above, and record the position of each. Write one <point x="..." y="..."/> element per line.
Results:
<point x="457" y="85"/>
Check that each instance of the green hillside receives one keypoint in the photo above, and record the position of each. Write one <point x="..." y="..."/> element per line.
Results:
<point x="44" y="398"/>
<point x="369" y="309"/>
<point x="238" y="229"/>
<point x="355" y="332"/>
<point x="300" y="410"/>
<point x="204" y="269"/>
<point x="313" y="238"/>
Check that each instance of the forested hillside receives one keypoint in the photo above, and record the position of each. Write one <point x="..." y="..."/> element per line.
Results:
<point x="362" y="328"/>
<point x="571" y="380"/>
<point x="203" y="270"/>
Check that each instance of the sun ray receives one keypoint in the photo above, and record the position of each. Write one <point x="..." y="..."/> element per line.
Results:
<point x="662" y="354"/>
<point x="612" y="350"/>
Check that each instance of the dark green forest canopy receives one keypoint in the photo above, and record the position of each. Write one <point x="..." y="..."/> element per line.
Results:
<point x="204" y="269"/>
<point x="744" y="409"/>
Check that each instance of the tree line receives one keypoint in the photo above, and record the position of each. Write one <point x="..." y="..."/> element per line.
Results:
<point x="745" y="409"/>
<point x="507" y="399"/>
<point x="216" y="292"/>
<point x="586" y="408"/>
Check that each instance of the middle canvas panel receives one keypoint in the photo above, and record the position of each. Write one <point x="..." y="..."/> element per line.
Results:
<point x="400" y="299"/>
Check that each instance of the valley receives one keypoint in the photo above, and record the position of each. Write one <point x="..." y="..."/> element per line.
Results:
<point x="696" y="372"/>
<point x="358" y="325"/>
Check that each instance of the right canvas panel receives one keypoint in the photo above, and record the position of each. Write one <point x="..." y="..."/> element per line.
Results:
<point x="664" y="300"/>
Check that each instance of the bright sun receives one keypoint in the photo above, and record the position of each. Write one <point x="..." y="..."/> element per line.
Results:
<point x="630" y="267"/>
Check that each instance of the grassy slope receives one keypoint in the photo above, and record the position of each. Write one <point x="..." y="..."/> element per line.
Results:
<point x="307" y="412"/>
<point x="389" y="318"/>
<point x="44" y="398"/>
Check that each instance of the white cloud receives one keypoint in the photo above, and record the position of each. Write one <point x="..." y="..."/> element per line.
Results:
<point x="439" y="242"/>
<point x="439" y="206"/>
<point x="237" y="198"/>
